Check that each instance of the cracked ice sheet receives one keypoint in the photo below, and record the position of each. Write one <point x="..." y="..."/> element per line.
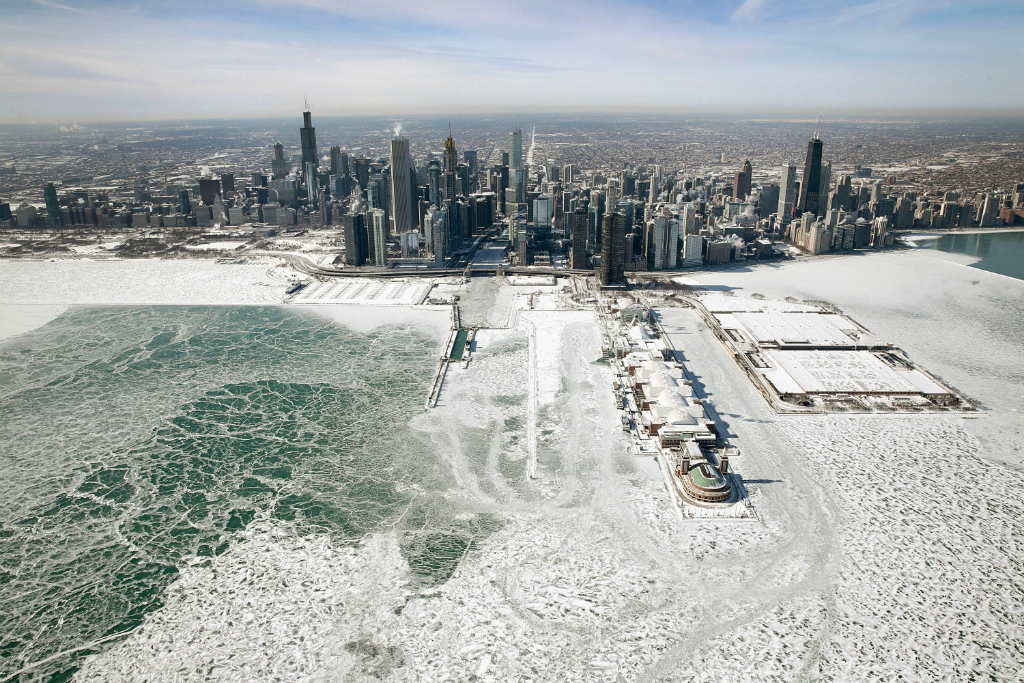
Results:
<point x="927" y="582"/>
<point x="276" y="607"/>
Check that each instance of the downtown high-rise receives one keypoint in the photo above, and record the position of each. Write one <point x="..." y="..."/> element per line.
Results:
<point x="307" y="137"/>
<point x="515" y="149"/>
<point x="401" y="186"/>
<point x="810" y="184"/>
<point x="787" y="192"/>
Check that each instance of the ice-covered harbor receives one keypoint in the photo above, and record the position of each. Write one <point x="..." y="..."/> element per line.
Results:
<point x="886" y="547"/>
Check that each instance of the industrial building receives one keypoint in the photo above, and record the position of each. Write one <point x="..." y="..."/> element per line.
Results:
<point x="806" y="358"/>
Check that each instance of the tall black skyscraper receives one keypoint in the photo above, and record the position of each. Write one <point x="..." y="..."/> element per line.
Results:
<point x="354" y="232"/>
<point x="53" y="213"/>
<point x="576" y="227"/>
<point x="307" y="136"/>
<point x="741" y="184"/>
<point x="401" y="185"/>
<point x="613" y="250"/>
<point x="450" y="165"/>
<point x="809" y="199"/>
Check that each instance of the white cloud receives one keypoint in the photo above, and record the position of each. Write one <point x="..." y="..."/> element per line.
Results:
<point x="750" y="9"/>
<point x="606" y="56"/>
<point x="56" y="5"/>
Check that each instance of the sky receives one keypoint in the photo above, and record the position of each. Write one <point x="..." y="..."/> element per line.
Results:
<point x="75" y="61"/>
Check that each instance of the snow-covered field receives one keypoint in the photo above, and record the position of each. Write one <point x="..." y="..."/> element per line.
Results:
<point x="364" y="292"/>
<point x="215" y="246"/>
<point x="17" y="319"/>
<point x="886" y="547"/>
<point x="139" y="281"/>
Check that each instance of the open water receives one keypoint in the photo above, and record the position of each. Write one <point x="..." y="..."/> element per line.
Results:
<point x="1000" y="252"/>
<point x="135" y="439"/>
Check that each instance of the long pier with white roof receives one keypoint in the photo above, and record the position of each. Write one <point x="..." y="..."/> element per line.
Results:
<point x="667" y="419"/>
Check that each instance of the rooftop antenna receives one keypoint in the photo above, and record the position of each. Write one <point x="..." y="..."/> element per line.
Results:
<point x="305" y="102"/>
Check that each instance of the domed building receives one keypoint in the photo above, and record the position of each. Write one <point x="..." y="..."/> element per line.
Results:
<point x="702" y="481"/>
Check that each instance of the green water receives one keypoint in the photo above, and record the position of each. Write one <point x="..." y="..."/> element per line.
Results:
<point x="459" y="346"/>
<point x="1000" y="252"/>
<point x="135" y="439"/>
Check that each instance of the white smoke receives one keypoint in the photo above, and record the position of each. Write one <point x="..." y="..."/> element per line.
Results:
<point x="355" y="201"/>
<point x="397" y="128"/>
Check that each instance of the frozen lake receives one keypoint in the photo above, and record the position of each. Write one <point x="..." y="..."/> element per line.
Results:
<point x="1000" y="252"/>
<point x="245" y="493"/>
<point x="138" y="440"/>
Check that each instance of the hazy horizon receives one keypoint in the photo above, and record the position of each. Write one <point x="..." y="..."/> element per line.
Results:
<point x="528" y="117"/>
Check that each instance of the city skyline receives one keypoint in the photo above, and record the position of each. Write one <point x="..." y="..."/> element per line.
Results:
<point x="233" y="60"/>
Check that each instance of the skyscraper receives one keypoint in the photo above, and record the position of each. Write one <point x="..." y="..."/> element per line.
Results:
<point x="307" y="136"/>
<point x="436" y="226"/>
<point x="376" y="195"/>
<point x="380" y="237"/>
<point x="611" y="193"/>
<point x="613" y="250"/>
<point x="515" y="149"/>
<point x="401" y="190"/>
<point x="355" y="238"/>
<point x="769" y="200"/>
<point x="53" y="214"/>
<point x="741" y="183"/>
<point x="362" y="171"/>
<point x="450" y="169"/>
<point x="279" y="167"/>
<point x="434" y="189"/>
<point x="689" y="220"/>
<point x="840" y="199"/>
<point x="312" y="187"/>
<point x="469" y="156"/>
<point x="209" y="188"/>
<point x="503" y="186"/>
<point x="810" y="184"/>
<point x="542" y="212"/>
<point x="656" y="180"/>
<point x="787" y="192"/>
<point x="518" y="183"/>
<point x="577" y="229"/>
